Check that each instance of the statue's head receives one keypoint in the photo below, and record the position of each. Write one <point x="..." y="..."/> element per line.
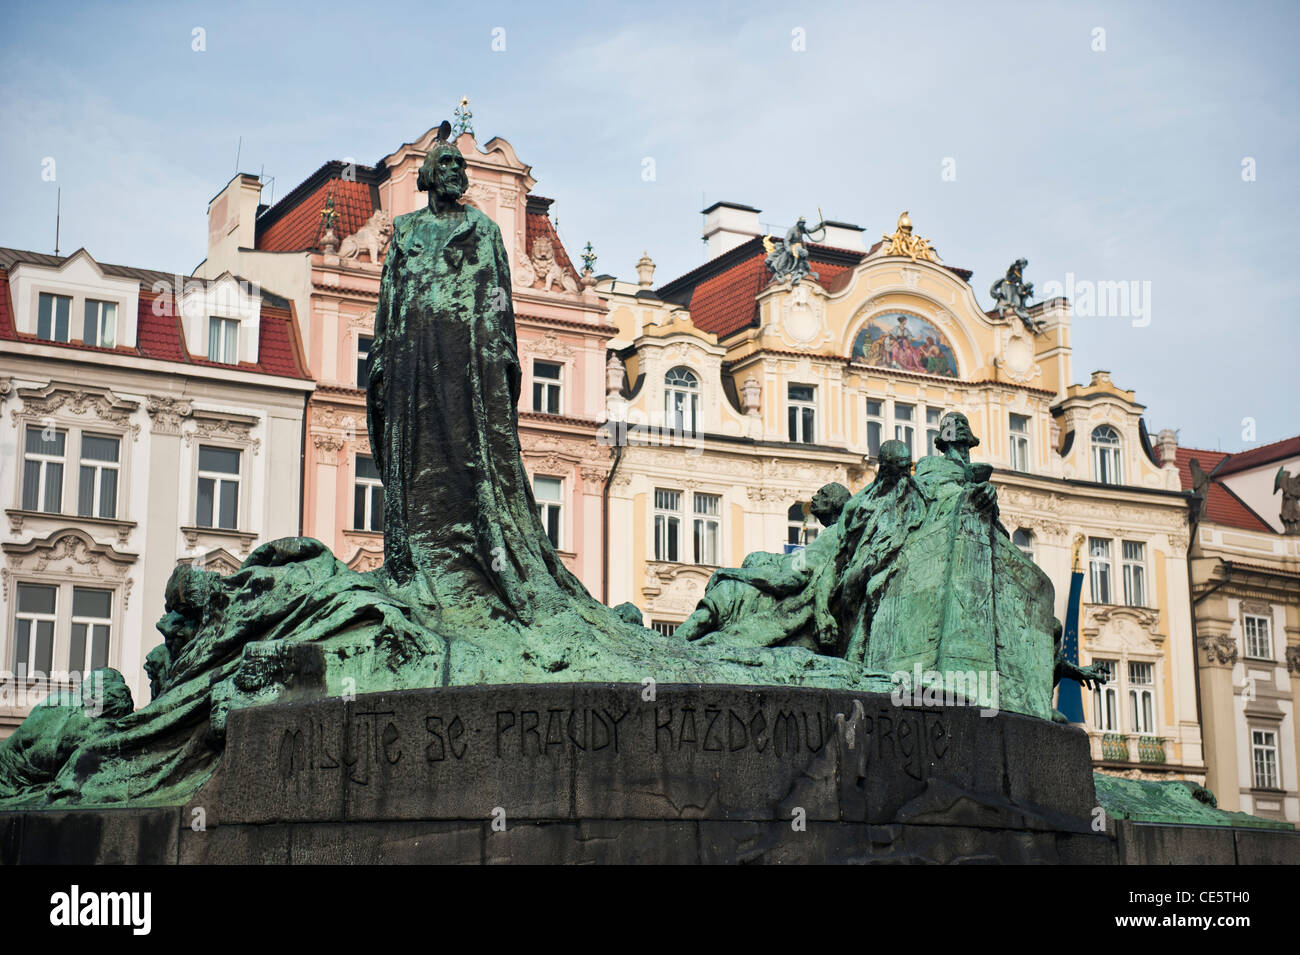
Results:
<point x="955" y="432"/>
<point x="443" y="172"/>
<point x="895" y="460"/>
<point x="828" y="502"/>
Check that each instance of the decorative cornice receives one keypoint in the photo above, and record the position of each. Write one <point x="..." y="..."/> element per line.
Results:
<point x="74" y="400"/>
<point x="167" y="413"/>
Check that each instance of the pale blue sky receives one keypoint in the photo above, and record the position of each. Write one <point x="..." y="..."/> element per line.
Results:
<point x="1122" y="165"/>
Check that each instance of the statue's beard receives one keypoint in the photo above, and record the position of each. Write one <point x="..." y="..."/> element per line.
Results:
<point x="449" y="189"/>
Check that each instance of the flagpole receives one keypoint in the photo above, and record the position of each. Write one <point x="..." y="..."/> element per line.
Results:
<point x="1069" y="698"/>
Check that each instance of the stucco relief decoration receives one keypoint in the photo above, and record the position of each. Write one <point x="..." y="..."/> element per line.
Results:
<point x="477" y="195"/>
<point x="364" y="320"/>
<point x="905" y="342"/>
<point x="372" y="238"/>
<point x="1133" y="628"/>
<point x="167" y="414"/>
<point x="524" y="274"/>
<point x="675" y="588"/>
<point x="70" y="400"/>
<point x="1221" y="649"/>
<point x="71" y="553"/>
<point x="210" y="425"/>
<point x="6" y="386"/>
<point x="549" y="345"/>
<point x="801" y="315"/>
<point x="218" y="560"/>
<point x="547" y="269"/>
<point x="1017" y="354"/>
<point x="1293" y="659"/>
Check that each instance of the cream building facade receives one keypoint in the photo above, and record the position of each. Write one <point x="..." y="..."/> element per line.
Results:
<point x="732" y="399"/>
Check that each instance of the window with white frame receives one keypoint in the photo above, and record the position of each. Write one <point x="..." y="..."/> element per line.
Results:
<point x="1263" y="752"/>
<point x="1024" y="539"/>
<point x="1105" y="698"/>
<point x="97" y="481"/>
<point x="681" y="401"/>
<point x="802" y="526"/>
<point x="1134" y="554"/>
<point x="34" y="622"/>
<point x="43" y="452"/>
<point x="668" y="524"/>
<point x="801" y="413"/>
<point x="1019" y="434"/>
<point x="223" y="340"/>
<point x="875" y="426"/>
<point x="1099" y="568"/>
<point x="1259" y="638"/>
<point x="666" y="627"/>
<point x="1141" y="697"/>
<point x="364" y="342"/>
<point x="546" y="387"/>
<point x="932" y="418"/>
<point x="92" y="624"/>
<point x="1105" y="455"/>
<point x="367" y="496"/>
<point x="52" y="314"/>
<point x="905" y="425"/>
<point x="708" y="529"/>
<point x="100" y="323"/>
<point x="549" y="492"/>
<point x="218" y="491"/>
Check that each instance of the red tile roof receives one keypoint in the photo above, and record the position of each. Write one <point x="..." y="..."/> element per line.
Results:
<point x="1223" y="507"/>
<point x="539" y="224"/>
<point x="298" y="226"/>
<point x="1264" y="454"/>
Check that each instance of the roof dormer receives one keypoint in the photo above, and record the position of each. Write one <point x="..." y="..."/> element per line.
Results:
<point x="75" y="301"/>
<point x="221" y="319"/>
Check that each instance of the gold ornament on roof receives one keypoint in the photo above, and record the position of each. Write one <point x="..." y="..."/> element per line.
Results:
<point x="904" y="242"/>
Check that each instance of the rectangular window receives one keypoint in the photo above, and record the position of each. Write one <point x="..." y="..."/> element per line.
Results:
<point x="223" y="340"/>
<point x="1263" y="746"/>
<point x="875" y="427"/>
<point x="904" y="425"/>
<point x="802" y="413"/>
<point x="91" y="625"/>
<point x="708" y="528"/>
<point x="1135" y="573"/>
<point x="100" y="324"/>
<point x="1141" y="698"/>
<point x="666" y="627"/>
<point x="1100" y="570"/>
<point x="932" y="418"/>
<point x="668" y="524"/>
<point x="1259" y="639"/>
<point x="1105" y="699"/>
<point x="367" y="497"/>
<point x="97" y="482"/>
<point x="52" y="313"/>
<point x="549" y="492"/>
<point x="546" y="387"/>
<point x="218" y="501"/>
<point x="34" y="630"/>
<point x="1019" y="442"/>
<point x="43" y="469"/>
<point x="363" y="361"/>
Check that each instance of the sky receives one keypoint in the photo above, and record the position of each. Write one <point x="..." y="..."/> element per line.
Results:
<point x="1149" y="144"/>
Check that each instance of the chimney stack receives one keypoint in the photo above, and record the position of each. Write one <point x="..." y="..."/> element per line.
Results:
<point x="729" y="224"/>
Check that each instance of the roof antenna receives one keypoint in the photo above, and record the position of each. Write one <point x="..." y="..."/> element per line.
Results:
<point x="238" y="149"/>
<point x="58" y="215"/>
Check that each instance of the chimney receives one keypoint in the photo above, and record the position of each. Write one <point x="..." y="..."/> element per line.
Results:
<point x="645" y="271"/>
<point x="232" y="222"/>
<point x="729" y="224"/>
<point x="844" y="235"/>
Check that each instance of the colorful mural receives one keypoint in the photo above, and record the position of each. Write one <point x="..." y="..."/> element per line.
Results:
<point x="906" y="342"/>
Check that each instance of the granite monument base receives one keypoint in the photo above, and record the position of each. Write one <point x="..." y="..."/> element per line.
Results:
<point x="620" y="773"/>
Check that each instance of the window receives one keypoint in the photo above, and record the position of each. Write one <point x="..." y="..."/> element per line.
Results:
<point x="802" y="413"/>
<point x="218" y="503"/>
<point x="363" y="361"/>
<point x="1263" y="749"/>
<point x="546" y="387"/>
<point x="34" y="630"/>
<point x="1141" y="698"/>
<point x="1259" y="641"/>
<point x="904" y="428"/>
<point x="802" y="526"/>
<point x="100" y="323"/>
<point x="666" y="627"/>
<point x="367" y="496"/>
<point x="1019" y="442"/>
<point x="43" y="469"/>
<point x="708" y="528"/>
<point x="1135" y="557"/>
<point x="97" y="483"/>
<point x="875" y="427"/>
<point x="223" y="340"/>
<point x="681" y="401"/>
<point x="549" y="492"/>
<point x="1105" y="698"/>
<point x="1025" y="541"/>
<point x="1099" y="569"/>
<point x="52" y="313"/>
<point x="1105" y="455"/>
<point x="932" y="418"/>
<point x="668" y="524"/>
<point x="91" y="624"/>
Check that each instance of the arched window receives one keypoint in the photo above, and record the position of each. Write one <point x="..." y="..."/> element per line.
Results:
<point x="1105" y="455"/>
<point x="1025" y="541"/>
<point x="681" y="400"/>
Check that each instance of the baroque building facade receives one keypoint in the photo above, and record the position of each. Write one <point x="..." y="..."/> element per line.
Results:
<point x="1244" y="565"/>
<point x="323" y="247"/>
<point x="733" y="397"/>
<point x="146" y="419"/>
